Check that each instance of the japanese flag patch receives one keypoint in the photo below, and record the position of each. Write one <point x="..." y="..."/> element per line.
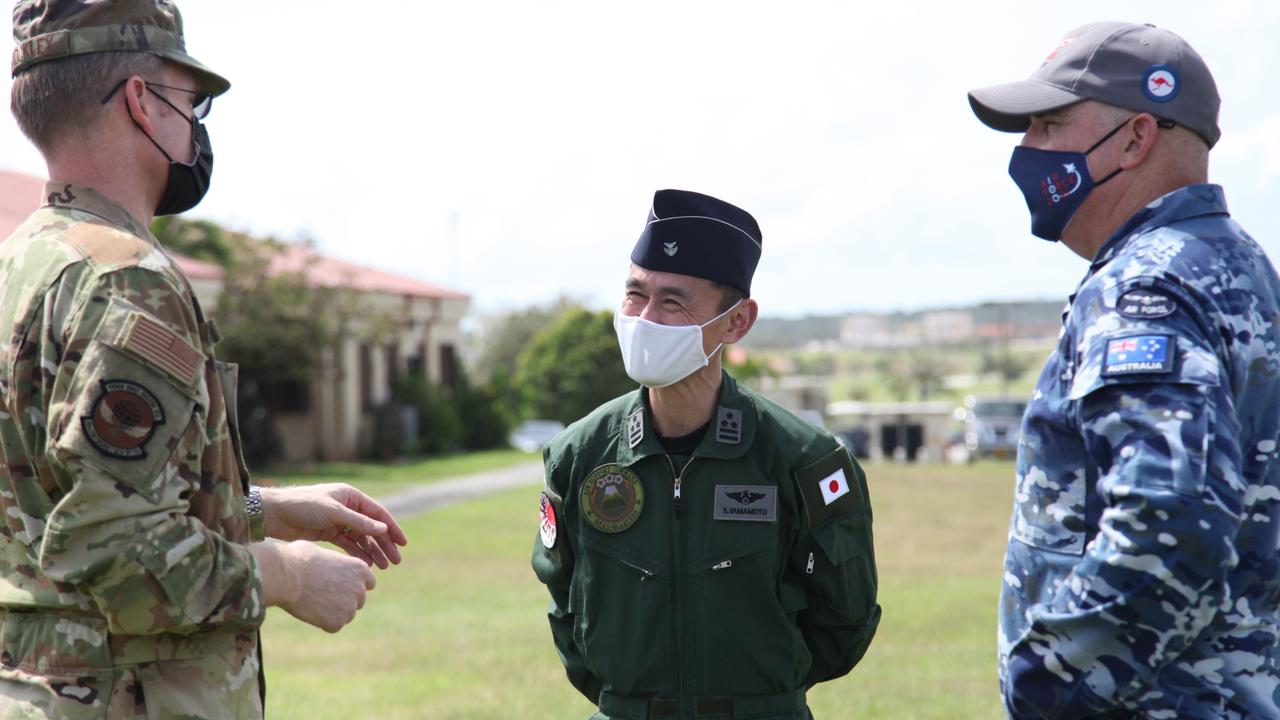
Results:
<point x="547" y="522"/>
<point x="834" y="486"/>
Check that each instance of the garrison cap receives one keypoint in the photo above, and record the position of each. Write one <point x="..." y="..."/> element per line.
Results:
<point x="53" y="29"/>
<point x="688" y="233"/>
<point x="1138" y="67"/>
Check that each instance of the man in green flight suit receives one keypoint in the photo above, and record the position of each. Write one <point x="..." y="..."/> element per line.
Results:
<point x="708" y="553"/>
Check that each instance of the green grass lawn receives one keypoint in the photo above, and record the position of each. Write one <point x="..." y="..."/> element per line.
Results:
<point x="386" y="478"/>
<point x="458" y="630"/>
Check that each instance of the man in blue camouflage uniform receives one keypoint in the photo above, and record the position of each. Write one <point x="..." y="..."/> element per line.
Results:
<point x="1141" y="574"/>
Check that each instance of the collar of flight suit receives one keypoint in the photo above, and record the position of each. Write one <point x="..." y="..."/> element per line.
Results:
<point x="86" y="199"/>
<point x="1182" y="204"/>
<point x="718" y="442"/>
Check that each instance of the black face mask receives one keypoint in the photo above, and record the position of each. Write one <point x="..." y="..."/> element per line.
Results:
<point x="187" y="184"/>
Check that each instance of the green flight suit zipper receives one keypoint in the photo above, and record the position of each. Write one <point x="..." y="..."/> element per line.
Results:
<point x="677" y="567"/>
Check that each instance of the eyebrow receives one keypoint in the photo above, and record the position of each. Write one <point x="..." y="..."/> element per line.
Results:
<point x="672" y="290"/>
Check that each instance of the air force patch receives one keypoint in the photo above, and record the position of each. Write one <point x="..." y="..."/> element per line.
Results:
<point x="124" y="417"/>
<point x="1139" y="354"/>
<point x="1145" y="304"/>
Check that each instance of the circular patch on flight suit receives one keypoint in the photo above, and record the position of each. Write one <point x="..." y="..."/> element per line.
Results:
<point x="612" y="498"/>
<point x="124" y="417"/>
<point x="547" y="522"/>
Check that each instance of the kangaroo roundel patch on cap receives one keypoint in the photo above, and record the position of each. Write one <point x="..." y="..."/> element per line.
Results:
<point x="612" y="498"/>
<point x="124" y="417"/>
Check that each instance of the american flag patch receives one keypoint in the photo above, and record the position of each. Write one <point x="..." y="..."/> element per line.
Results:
<point x="155" y="343"/>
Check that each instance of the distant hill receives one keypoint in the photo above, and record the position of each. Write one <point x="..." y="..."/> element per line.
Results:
<point x="773" y="332"/>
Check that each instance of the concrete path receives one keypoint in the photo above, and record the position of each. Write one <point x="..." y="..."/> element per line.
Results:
<point x="447" y="492"/>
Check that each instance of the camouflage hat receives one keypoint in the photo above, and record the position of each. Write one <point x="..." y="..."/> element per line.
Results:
<point x="54" y="29"/>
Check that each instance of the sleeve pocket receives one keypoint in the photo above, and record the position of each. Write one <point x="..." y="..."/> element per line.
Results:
<point x="131" y="406"/>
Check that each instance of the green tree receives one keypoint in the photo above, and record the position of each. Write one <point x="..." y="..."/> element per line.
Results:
<point x="501" y="338"/>
<point x="572" y="366"/>
<point x="197" y="239"/>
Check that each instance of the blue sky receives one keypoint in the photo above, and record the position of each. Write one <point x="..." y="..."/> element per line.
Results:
<point x="511" y="149"/>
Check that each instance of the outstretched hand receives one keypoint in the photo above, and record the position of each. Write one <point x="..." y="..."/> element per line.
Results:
<point x="335" y="513"/>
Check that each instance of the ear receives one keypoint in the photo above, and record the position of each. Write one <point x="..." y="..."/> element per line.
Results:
<point x="1142" y="136"/>
<point x="741" y="320"/>
<point x="134" y="90"/>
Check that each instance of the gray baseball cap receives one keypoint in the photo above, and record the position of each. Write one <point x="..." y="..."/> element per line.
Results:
<point x="1139" y="67"/>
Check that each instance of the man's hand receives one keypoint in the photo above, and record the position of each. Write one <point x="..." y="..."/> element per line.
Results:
<point x="319" y="587"/>
<point x="335" y="513"/>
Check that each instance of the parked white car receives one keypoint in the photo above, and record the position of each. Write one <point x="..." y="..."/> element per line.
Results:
<point x="533" y="435"/>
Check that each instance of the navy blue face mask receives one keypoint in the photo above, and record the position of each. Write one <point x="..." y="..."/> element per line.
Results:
<point x="1055" y="184"/>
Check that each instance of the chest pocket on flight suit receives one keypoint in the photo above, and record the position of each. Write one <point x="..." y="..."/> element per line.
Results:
<point x="620" y="596"/>
<point x="1049" y="511"/>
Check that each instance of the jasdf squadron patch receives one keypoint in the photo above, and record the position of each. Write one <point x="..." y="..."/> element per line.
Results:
<point x="612" y="498"/>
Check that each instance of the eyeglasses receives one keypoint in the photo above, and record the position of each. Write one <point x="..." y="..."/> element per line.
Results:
<point x="201" y="102"/>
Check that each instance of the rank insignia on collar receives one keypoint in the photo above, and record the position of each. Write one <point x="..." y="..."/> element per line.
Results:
<point x="635" y="428"/>
<point x="729" y="426"/>
<point x="612" y="498"/>
<point x="124" y="417"/>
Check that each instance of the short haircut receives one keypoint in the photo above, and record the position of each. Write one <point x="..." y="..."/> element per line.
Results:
<point x="56" y="99"/>
<point x="729" y="295"/>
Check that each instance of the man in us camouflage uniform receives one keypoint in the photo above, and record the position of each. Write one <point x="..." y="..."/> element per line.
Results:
<point x="128" y="584"/>
<point x="1141" y="572"/>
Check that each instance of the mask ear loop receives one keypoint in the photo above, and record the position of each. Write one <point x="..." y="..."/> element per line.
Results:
<point x="721" y="345"/>
<point x="1098" y="144"/>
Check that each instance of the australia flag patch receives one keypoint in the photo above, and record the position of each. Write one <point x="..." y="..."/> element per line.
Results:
<point x="1137" y="354"/>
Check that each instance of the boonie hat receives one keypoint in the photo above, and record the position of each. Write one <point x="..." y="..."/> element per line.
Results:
<point x="46" y="30"/>
<point x="689" y="233"/>
<point x="1139" y="67"/>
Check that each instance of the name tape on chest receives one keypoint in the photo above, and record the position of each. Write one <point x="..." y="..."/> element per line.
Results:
<point x="1139" y="354"/>
<point x="746" y="502"/>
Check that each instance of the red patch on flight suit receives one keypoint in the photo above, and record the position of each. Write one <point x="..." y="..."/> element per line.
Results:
<point x="124" y="417"/>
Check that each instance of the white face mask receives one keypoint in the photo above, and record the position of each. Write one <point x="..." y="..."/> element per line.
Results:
<point x="660" y="355"/>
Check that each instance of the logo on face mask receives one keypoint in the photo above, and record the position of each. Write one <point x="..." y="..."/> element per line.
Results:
<point x="670" y="248"/>
<point x="1055" y="183"/>
<point x="1053" y="196"/>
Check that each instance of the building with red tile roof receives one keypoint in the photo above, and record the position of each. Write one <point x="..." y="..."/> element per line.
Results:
<point x="333" y="416"/>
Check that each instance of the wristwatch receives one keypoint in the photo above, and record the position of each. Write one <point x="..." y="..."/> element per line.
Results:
<point x="253" y="508"/>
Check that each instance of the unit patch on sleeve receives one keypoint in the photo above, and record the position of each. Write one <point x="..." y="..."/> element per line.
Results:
<point x="547" y="521"/>
<point x="746" y="502"/>
<point x="612" y="498"/>
<point x="124" y="417"/>
<point x="1139" y="354"/>
<point x="1145" y="304"/>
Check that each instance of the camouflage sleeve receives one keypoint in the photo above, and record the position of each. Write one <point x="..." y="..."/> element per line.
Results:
<point x="553" y="564"/>
<point x="127" y="418"/>
<point x="835" y="560"/>
<point x="1163" y="457"/>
